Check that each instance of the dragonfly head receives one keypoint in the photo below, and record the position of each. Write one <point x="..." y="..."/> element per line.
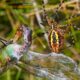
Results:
<point x="27" y="32"/>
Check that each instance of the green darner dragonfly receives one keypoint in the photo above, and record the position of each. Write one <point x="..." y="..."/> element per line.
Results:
<point x="51" y="66"/>
<point x="15" y="51"/>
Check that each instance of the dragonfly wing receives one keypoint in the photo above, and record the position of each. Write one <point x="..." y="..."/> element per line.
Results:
<point x="48" y="60"/>
<point x="52" y="63"/>
<point x="40" y="72"/>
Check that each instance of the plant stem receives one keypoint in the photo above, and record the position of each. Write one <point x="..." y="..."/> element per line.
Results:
<point x="8" y="75"/>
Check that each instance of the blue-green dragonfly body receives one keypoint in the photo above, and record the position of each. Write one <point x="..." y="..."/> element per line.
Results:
<point x="14" y="50"/>
<point x="10" y="51"/>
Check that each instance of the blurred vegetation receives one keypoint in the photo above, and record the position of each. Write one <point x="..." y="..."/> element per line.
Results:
<point x="11" y="15"/>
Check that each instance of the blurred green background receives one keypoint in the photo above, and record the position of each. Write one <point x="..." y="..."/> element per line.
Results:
<point x="14" y="12"/>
